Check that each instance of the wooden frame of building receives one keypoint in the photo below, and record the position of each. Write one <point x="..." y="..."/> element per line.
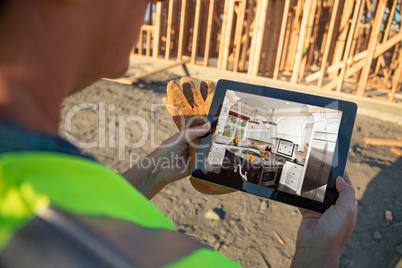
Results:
<point x="340" y="45"/>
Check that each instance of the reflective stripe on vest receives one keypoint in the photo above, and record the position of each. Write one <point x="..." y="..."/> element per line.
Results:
<point x="29" y="182"/>
<point x="72" y="240"/>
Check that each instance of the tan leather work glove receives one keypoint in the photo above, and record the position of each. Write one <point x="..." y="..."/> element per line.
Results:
<point x="189" y="107"/>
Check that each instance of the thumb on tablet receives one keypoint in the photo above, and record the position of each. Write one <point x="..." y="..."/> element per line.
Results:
<point x="346" y="199"/>
<point x="192" y="134"/>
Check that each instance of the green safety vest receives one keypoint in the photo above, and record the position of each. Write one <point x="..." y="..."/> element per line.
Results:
<point x="47" y="196"/>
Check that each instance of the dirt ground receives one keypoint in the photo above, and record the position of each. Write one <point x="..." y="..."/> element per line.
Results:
<point x="239" y="225"/>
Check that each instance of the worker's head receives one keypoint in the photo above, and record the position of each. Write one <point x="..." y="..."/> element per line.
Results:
<point x="93" y="37"/>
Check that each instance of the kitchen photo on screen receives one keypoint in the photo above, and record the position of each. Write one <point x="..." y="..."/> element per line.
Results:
<point x="274" y="143"/>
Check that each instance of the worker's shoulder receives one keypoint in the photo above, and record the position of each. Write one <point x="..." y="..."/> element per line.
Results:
<point x="87" y="203"/>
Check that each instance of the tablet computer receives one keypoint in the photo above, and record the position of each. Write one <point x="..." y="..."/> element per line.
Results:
<point x="278" y="144"/>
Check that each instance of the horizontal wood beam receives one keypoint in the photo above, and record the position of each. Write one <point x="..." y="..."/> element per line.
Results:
<point x="134" y="78"/>
<point x="382" y="141"/>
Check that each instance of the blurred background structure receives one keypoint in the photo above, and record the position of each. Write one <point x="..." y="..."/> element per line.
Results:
<point x="335" y="45"/>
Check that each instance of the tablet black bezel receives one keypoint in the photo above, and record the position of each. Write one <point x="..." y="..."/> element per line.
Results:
<point x="348" y="109"/>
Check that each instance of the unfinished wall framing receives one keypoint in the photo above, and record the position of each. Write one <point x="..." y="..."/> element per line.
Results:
<point x="339" y="45"/>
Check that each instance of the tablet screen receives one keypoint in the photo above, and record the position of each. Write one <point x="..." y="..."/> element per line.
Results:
<point x="278" y="144"/>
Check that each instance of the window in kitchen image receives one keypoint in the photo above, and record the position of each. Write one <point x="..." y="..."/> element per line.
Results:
<point x="235" y="127"/>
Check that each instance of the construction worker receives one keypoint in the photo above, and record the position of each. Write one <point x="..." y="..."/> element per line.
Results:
<point x="60" y="208"/>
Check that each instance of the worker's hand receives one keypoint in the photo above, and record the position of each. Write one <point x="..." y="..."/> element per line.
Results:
<point x="174" y="154"/>
<point x="189" y="107"/>
<point x="321" y="238"/>
<point x="168" y="163"/>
